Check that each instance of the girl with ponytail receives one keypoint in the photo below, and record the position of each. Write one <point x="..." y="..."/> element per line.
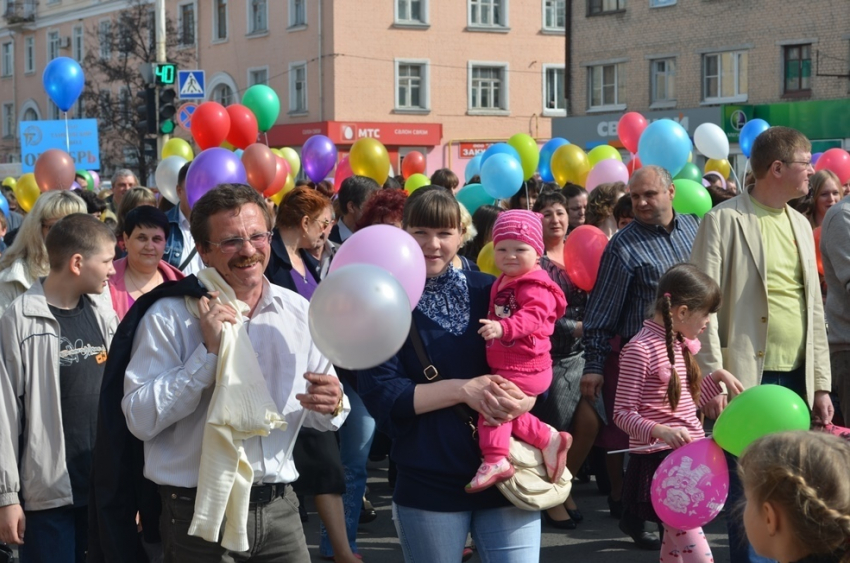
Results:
<point x="651" y="406"/>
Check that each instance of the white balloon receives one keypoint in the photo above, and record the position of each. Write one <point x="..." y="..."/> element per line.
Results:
<point x="166" y="177"/>
<point x="711" y="141"/>
<point x="359" y="316"/>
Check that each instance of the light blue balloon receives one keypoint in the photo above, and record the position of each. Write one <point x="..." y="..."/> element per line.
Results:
<point x="749" y="132"/>
<point x="473" y="168"/>
<point x="239" y="153"/>
<point x="665" y="143"/>
<point x="473" y="196"/>
<point x="4" y="206"/>
<point x="499" y="148"/>
<point x="546" y="152"/>
<point x="501" y="176"/>
<point x="63" y="81"/>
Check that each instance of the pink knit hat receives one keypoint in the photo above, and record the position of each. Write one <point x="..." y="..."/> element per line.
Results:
<point x="519" y="224"/>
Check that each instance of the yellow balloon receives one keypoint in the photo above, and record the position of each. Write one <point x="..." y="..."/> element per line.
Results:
<point x="292" y="158"/>
<point x="26" y="191"/>
<point x="177" y="147"/>
<point x="570" y="164"/>
<point x="603" y="152"/>
<point x="9" y="182"/>
<point x="369" y="157"/>
<point x="287" y="187"/>
<point x="487" y="260"/>
<point x="721" y="166"/>
<point x="228" y="146"/>
<point x="277" y="152"/>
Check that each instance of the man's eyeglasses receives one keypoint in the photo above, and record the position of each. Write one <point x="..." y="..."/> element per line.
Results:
<point x="805" y="163"/>
<point x="235" y="244"/>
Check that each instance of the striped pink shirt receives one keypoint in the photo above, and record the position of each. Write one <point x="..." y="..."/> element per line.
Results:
<point x="640" y="403"/>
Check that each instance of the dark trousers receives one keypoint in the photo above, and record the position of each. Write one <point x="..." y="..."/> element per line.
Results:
<point x="57" y="535"/>
<point x="275" y="533"/>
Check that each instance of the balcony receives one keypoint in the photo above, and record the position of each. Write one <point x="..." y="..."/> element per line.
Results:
<point x="19" y="12"/>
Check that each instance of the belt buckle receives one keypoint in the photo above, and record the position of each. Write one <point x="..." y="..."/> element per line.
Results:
<point x="263" y="494"/>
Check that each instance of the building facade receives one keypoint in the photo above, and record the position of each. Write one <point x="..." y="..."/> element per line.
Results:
<point x="444" y="77"/>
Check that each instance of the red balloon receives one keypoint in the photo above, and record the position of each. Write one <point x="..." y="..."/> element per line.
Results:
<point x="243" y="126"/>
<point x="629" y="130"/>
<point x="413" y="163"/>
<point x="281" y="173"/>
<point x="582" y="255"/>
<point x="54" y="170"/>
<point x="633" y="164"/>
<point x="343" y="171"/>
<point x="210" y="125"/>
<point x="836" y="160"/>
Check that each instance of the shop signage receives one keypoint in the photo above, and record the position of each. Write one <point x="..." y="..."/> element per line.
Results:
<point x="347" y="132"/>
<point x="469" y="150"/>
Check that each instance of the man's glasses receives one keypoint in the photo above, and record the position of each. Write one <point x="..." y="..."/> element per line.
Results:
<point x="805" y="163"/>
<point x="235" y="244"/>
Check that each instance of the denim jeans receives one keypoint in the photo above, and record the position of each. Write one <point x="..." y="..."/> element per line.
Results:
<point x="57" y="535"/>
<point x="502" y="535"/>
<point x="355" y="441"/>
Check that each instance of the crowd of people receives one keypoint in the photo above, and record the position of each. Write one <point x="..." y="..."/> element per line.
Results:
<point x="193" y="430"/>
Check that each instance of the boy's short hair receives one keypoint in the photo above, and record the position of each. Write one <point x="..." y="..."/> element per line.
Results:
<point x="623" y="209"/>
<point x="78" y="233"/>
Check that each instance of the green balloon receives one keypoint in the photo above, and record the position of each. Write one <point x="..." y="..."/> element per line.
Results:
<point x="757" y="412"/>
<point x="265" y="104"/>
<point x="690" y="172"/>
<point x="89" y="180"/>
<point x="691" y="197"/>
<point x="473" y="196"/>
<point x="529" y="153"/>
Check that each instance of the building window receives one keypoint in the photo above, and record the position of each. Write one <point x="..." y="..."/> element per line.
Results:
<point x="798" y="68"/>
<point x="663" y="80"/>
<point x="104" y="32"/>
<point x="258" y="16"/>
<point x="298" y="88"/>
<point x="8" y="55"/>
<point x="186" y="24"/>
<point x="30" y="115"/>
<point x="297" y="13"/>
<point x="555" y="14"/>
<point x="554" y="98"/>
<point x="222" y="94"/>
<point x="412" y="85"/>
<point x="488" y="13"/>
<point x="607" y="85"/>
<point x="595" y="7"/>
<point x="219" y="20"/>
<point x="725" y="76"/>
<point x="661" y="3"/>
<point x="52" y="45"/>
<point x="488" y="87"/>
<point x="77" y="46"/>
<point x="258" y="76"/>
<point x="9" y="120"/>
<point x="411" y="11"/>
<point x="29" y="54"/>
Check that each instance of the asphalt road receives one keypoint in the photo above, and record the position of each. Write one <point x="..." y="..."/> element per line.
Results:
<point x="596" y="540"/>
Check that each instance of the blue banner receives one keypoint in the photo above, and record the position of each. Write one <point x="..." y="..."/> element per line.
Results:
<point x="38" y="136"/>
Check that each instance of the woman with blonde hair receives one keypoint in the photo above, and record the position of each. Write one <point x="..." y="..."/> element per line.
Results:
<point x="826" y="191"/>
<point x="26" y="260"/>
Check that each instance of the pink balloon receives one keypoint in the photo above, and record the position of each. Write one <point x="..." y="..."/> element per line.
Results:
<point x="343" y="171"/>
<point x="96" y="177"/>
<point x="607" y="171"/>
<point x="690" y="487"/>
<point x="390" y="248"/>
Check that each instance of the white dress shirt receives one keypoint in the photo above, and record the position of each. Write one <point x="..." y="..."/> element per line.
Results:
<point x="169" y="383"/>
<point x="196" y="264"/>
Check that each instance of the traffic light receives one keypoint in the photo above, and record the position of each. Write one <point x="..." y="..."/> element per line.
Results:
<point x="167" y="96"/>
<point x="146" y="110"/>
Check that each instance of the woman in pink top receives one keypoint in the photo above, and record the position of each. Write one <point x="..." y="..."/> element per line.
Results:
<point x="524" y="305"/>
<point x="145" y="233"/>
<point x="650" y="405"/>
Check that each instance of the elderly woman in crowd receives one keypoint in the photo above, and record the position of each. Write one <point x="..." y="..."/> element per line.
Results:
<point x="142" y="269"/>
<point x="26" y="259"/>
<point x="600" y="206"/>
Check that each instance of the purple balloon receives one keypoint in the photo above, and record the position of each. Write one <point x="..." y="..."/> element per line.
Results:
<point x="75" y="186"/>
<point x="210" y="168"/>
<point x="607" y="171"/>
<point x="815" y="157"/>
<point x="318" y="157"/>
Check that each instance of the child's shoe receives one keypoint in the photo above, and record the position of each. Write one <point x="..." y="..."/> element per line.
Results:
<point x="489" y="474"/>
<point x="555" y="455"/>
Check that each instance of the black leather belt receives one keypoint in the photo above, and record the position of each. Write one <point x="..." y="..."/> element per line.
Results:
<point x="262" y="493"/>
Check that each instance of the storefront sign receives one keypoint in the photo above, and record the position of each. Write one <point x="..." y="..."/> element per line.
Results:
<point x="347" y="132"/>
<point x="469" y="150"/>
<point x="38" y="136"/>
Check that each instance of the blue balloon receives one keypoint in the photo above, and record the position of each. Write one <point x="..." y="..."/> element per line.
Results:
<point x="239" y="153"/>
<point x="749" y="132"/>
<point x="4" y="206"/>
<point x="473" y="168"/>
<point x="499" y="148"/>
<point x="546" y="152"/>
<point x="63" y="81"/>
<point x="501" y="176"/>
<point x="473" y="196"/>
<point x="665" y="143"/>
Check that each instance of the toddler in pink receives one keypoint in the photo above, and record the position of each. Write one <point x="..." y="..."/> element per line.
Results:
<point x="524" y="305"/>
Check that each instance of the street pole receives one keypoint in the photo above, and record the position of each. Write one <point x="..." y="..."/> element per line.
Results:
<point x="160" y="58"/>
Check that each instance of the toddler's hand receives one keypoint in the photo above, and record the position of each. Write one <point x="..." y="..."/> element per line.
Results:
<point x="491" y="329"/>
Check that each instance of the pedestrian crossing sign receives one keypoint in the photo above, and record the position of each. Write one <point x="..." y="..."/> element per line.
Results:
<point x="191" y="84"/>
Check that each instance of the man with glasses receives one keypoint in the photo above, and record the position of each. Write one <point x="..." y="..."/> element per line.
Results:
<point x="174" y="368"/>
<point x="770" y="327"/>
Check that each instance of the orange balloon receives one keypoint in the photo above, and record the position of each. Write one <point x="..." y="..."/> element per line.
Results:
<point x="817" y="233"/>
<point x="54" y="170"/>
<point x="260" y="166"/>
<point x="281" y="174"/>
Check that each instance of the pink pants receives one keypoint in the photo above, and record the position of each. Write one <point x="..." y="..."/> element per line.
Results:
<point x="494" y="441"/>
<point x="685" y="546"/>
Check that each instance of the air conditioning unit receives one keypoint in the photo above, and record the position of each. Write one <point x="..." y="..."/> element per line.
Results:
<point x="65" y="42"/>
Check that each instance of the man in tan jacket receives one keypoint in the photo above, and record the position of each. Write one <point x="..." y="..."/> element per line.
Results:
<point x="770" y="327"/>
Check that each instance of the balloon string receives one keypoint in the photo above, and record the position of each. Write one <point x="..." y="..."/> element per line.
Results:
<point x="735" y="175"/>
<point x="746" y="166"/>
<point x="300" y="424"/>
<point x="267" y="139"/>
<point x="67" y="135"/>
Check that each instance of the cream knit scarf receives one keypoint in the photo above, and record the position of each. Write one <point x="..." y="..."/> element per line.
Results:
<point x="241" y="407"/>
